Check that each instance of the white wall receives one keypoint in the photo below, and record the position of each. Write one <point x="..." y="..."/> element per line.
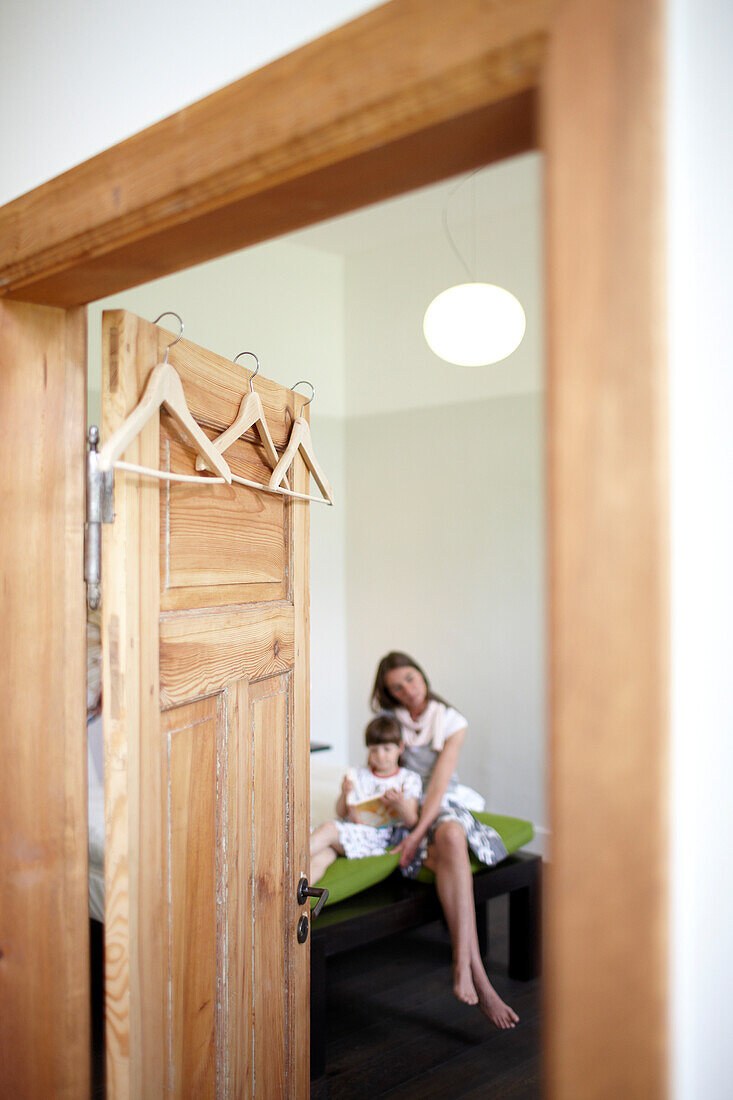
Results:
<point x="700" y="226"/>
<point x="281" y="300"/>
<point x="77" y="76"/>
<point x="444" y="560"/>
<point x="354" y="328"/>
<point x="284" y="302"/>
<point x="445" y="484"/>
<point x="495" y="215"/>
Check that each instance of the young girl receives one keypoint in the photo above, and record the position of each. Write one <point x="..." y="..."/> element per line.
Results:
<point x="396" y="789"/>
<point x="433" y="733"/>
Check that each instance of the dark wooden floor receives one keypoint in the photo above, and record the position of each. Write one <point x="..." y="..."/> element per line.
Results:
<point x="96" y="959"/>
<point x="396" y="1030"/>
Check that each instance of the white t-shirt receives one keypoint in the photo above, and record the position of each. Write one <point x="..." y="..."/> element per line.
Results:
<point x="425" y="738"/>
<point x="432" y="729"/>
<point x="368" y="785"/>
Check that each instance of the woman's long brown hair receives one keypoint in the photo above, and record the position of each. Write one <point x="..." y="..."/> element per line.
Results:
<point x="382" y="699"/>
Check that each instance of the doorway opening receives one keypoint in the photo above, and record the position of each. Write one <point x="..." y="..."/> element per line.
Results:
<point x="436" y="546"/>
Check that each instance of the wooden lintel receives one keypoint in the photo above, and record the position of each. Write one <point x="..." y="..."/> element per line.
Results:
<point x="411" y="92"/>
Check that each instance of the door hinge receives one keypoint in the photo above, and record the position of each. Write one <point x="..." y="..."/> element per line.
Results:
<point x="100" y="509"/>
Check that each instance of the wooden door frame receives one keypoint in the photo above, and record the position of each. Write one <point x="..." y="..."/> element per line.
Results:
<point x="409" y="93"/>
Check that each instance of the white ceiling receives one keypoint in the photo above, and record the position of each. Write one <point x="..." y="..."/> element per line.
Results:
<point x="469" y="199"/>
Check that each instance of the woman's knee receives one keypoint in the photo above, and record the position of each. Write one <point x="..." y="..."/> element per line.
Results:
<point x="450" y="840"/>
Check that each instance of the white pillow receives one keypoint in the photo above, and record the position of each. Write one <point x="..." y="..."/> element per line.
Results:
<point x="325" y="789"/>
<point x="95" y="752"/>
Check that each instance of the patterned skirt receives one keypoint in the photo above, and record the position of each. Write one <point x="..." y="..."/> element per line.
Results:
<point x="359" y="841"/>
<point x="484" y="842"/>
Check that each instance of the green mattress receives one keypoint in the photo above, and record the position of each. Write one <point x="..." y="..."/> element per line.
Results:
<point x="346" y="877"/>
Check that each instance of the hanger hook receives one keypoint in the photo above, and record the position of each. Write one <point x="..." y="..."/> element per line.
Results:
<point x="305" y="382"/>
<point x="251" y="389"/>
<point x="170" y="313"/>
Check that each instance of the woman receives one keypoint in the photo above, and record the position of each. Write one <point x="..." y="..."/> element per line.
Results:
<point x="433" y="733"/>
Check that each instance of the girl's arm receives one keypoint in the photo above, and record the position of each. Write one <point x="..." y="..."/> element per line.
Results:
<point x="342" y="810"/>
<point x="411" y="812"/>
<point x="445" y="765"/>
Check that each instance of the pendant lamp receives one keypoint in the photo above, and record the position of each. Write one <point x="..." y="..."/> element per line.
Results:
<point x="472" y="324"/>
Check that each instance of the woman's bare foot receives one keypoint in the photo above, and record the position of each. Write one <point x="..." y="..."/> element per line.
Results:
<point x="492" y="1005"/>
<point x="500" y="1014"/>
<point x="463" y="986"/>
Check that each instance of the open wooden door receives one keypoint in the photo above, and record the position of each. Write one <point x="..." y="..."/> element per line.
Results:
<point x="205" y="643"/>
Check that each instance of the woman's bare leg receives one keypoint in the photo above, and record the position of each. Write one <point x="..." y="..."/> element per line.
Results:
<point x="449" y="861"/>
<point x="324" y="848"/>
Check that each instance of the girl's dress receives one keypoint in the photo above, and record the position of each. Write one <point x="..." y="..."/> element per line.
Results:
<point x="358" y="841"/>
<point x="424" y="739"/>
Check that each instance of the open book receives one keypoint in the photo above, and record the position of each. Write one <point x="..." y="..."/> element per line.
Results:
<point x="372" y="811"/>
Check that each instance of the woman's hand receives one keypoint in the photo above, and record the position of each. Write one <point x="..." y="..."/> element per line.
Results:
<point x="408" y="848"/>
<point x="404" y="806"/>
<point x="394" y="800"/>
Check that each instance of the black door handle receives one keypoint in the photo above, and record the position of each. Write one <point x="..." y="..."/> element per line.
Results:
<point x="305" y="891"/>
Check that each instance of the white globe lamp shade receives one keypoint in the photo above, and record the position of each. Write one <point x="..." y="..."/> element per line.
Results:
<point x="474" y="324"/>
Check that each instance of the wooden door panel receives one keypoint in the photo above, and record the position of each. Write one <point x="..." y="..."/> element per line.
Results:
<point x="216" y="903"/>
<point x="214" y="388"/>
<point x="213" y="385"/>
<point x="190" y="762"/>
<point x="208" y="554"/>
<point x="205" y="625"/>
<point x="236" y="992"/>
<point x="273" y="899"/>
<point x="200" y="654"/>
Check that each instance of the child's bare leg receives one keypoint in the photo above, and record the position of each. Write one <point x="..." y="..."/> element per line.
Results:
<point x="449" y="860"/>
<point x="324" y="848"/>
<point x="321" y="862"/>
<point x="325" y="836"/>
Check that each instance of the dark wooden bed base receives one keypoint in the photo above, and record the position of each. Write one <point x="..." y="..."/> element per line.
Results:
<point x="398" y="904"/>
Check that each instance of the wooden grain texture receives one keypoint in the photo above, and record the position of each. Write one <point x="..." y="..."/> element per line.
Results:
<point x="148" y="1019"/>
<point x="135" y="957"/>
<point x="409" y="93"/>
<point x="274" y="909"/>
<point x="201" y="653"/>
<point x="607" y="912"/>
<point x="239" y="900"/>
<point x="299" y="768"/>
<point x="204" y="808"/>
<point x="44" y="948"/>
<point x="242" y="558"/>
<point x="245" y="559"/>
<point x="224" y="561"/>
<point x="192" y="832"/>
<point x="214" y="387"/>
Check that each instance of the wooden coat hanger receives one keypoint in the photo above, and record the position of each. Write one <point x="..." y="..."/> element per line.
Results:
<point x="301" y="440"/>
<point x="163" y="387"/>
<point x="250" y="415"/>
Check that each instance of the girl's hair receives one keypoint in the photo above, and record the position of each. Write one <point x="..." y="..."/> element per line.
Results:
<point x="382" y="699"/>
<point x="383" y="730"/>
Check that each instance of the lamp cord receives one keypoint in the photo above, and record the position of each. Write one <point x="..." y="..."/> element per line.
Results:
<point x="446" y="226"/>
